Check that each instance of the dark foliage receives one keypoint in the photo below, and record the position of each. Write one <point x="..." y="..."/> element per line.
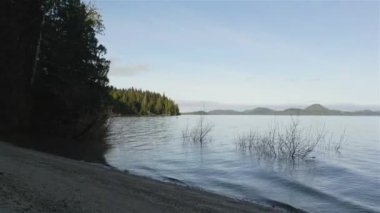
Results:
<point x="70" y="85"/>
<point x="20" y="30"/>
<point x="138" y="102"/>
<point x="53" y="76"/>
<point x="53" y="79"/>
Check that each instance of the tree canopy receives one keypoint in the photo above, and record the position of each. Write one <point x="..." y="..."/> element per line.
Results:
<point x="53" y="75"/>
<point x="54" y="92"/>
<point x="138" y="102"/>
<point x="70" y="86"/>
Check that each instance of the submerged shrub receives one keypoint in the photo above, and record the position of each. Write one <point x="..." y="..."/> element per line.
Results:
<point x="199" y="134"/>
<point x="291" y="143"/>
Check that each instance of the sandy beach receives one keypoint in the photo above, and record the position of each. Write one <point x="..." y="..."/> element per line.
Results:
<point x="31" y="181"/>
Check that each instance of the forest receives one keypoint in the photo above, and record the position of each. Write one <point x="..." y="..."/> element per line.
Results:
<point x="138" y="102"/>
<point x="53" y="79"/>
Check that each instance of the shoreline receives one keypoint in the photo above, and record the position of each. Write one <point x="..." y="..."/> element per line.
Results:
<point x="33" y="181"/>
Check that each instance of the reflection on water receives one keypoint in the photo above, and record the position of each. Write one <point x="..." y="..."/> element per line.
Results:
<point x="323" y="182"/>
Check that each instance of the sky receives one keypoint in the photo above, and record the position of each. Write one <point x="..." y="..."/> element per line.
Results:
<point x="246" y="53"/>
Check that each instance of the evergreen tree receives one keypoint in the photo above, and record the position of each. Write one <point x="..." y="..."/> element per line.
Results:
<point x="137" y="102"/>
<point x="70" y="90"/>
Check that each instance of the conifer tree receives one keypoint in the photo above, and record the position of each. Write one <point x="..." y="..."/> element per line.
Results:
<point x="137" y="102"/>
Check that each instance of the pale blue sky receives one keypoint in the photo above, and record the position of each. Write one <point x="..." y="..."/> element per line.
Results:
<point x="247" y="52"/>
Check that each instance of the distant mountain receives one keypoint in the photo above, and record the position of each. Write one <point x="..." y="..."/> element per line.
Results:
<point x="260" y="110"/>
<point x="315" y="109"/>
<point x="291" y="111"/>
<point x="194" y="113"/>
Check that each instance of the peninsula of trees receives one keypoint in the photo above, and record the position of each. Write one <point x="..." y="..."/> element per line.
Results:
<point x="138" y="102"/>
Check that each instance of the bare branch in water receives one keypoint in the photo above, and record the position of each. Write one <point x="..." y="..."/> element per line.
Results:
<point x="291" y="143"/>
<point x="199" y="133"/>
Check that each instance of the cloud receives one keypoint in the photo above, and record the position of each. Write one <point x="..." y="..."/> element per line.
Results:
<point x="120" y="69"/>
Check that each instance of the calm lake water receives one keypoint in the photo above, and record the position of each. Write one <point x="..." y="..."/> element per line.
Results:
<point x="326" y="181"/>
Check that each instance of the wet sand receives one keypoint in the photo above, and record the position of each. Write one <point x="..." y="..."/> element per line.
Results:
<point x="32" y="181"/>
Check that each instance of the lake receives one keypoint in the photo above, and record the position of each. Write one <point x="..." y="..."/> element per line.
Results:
<point x="327" y="180"/>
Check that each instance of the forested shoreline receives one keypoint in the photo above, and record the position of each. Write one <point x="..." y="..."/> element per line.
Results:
<point x="139" y="102"/>
<point x="61" y="86"/>
<point x="53" y="79"/>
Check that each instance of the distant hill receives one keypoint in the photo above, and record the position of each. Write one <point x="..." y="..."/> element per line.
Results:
<point x="260" y="110"/>
<point x="315" y="109"/>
